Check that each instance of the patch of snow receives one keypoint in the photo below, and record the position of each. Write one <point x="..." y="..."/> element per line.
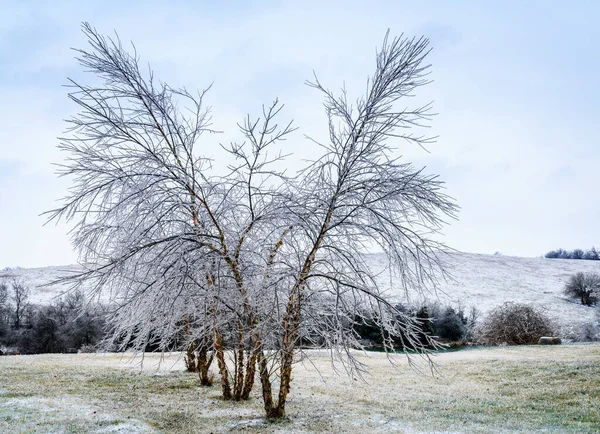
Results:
<point x="53" y="410"/>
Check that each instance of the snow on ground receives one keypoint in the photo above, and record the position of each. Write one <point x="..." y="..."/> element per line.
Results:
<point x="37" y="279"/>
<point x="65" y="414"/>
<point x="482" y="281"/>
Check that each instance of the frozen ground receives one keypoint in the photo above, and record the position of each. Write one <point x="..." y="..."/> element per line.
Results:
<point x="529" y="389"/>
<point x="482" y="281"/>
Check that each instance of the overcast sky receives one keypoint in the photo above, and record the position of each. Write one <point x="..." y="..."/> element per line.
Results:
<point x="515" y="85"/>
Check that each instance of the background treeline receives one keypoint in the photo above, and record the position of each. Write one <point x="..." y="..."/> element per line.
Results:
<point x="591" y="254"/>
<point x="446" y="324"/>
<point x="67" y="325"/>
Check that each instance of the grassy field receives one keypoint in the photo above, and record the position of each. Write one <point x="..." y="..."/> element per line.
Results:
<point x="507" y="389"/>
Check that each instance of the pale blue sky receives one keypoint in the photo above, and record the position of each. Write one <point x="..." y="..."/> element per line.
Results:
<point x="516" y="89"/>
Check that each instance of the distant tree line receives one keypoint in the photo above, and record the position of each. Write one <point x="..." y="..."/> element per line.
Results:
<point x="446" y="324"/>
<point x="591" y="254"/>
<point x="67" y="325"/>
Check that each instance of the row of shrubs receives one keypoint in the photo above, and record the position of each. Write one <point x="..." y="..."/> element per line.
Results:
<point x="591" y="254"/>
<point x="69" y="325"/>
<point x="445" y="323"/>
<point x="65" y="326"/>
<point x="508" y="324"/>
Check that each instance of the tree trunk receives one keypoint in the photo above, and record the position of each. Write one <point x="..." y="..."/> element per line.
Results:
<point x="290" y="334"/>
<point x="190" y="358"/>
<point x="267" y="391"/>
<point x="290" y="325"/>
<point x="239" y="365"/>
<point x="250" y="374"/>
<point x="203" y="365"/>
<point x="223" y="371"/>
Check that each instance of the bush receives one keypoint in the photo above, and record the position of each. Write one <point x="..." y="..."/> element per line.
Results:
<point x="577" y="254"/>
<point x="514" y="324"/>
<point x="87" y="349"/>
<point x="4" y="310"/>
<point x="452" y="324"/>
<point x="584" y="287"/>
<point x="449" y="326"/>
<point x="590" y="332"/>
<point x="591" y="255"/>
<point x="63" y="326"/>
<point x="42" y="336"/>
<point x="367" y="327"/>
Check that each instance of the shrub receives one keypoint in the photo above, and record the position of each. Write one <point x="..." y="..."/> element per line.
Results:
<point x="446" y="323"/>
<point x="577" y="254"/>
<point x="4" y="310"/>
<point x="584" y="286"/>
<point x="452" y="323"/>
<point x="590" y="332"/>
<point x="591" y="255"/>
<point x="42" y="336"/>
<point x="367" y="327"/>
<point x="449" y="325"/>
<point x="87" y="349"/>
<point x="426" y="324"/>
<point x="66" y="325"/>
<point x="514" y="324"/>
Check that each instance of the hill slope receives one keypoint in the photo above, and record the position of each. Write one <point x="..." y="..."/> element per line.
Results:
<point x="482" y="281"/>
<point x="487" y="281"/>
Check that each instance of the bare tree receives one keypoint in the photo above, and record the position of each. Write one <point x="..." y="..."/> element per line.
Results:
<point x="3" y="294"/>
<point x="19" y="296"/>
<point x="584" y="286"/>
<point x="4" y="309"/>
<point x="356" y="196"/>
<point x="252" y="263"/>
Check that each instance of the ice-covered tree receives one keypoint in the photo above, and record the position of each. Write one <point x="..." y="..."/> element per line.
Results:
<point x="254" y="265"/>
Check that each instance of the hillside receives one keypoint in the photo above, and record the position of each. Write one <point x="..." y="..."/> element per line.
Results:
<point x="482" y="281"/>
<point x="486" y="281"/>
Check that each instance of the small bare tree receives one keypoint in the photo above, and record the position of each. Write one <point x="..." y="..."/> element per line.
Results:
<point x="4" y="309"/>
<point x="254" y="264"/>
<point x="584" y="286"/>
<point x="19" y="297"/>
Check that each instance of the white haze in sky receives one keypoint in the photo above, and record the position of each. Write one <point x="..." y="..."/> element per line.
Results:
<point x="515" y="86"/>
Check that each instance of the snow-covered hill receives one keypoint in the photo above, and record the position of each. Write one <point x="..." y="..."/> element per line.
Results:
<point x="37" y="279"/>
<point x="483" y="281"/>
<point x="487" y="281"/>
